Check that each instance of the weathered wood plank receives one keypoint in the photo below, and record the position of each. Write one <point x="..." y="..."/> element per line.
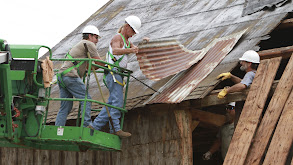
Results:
<point x="56" y="157"/>
<point x="69" y="157"/>
<point x="212" y="99"/>
<point x="284" y="52"/>
<point x="25" y="156"/>
<point x="184" y="120"/>
<point x="283" y="136"/>
<point x="85" y="157"/>
<point x="252" y="111"/>
<point x="41" y="157"/>
<point x="208" y="117"/>
<point x="271" y="116"/>
<point x="9" y="156"/>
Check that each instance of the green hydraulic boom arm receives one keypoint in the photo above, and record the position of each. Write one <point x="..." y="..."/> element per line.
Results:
<point x="24" y="104"/>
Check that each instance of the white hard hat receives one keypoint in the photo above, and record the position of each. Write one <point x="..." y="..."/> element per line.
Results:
<point x="232" y="104"/>
<point x="91" y="29"/>
<point x="250" y="56"/>
<point x="134" y="22"/>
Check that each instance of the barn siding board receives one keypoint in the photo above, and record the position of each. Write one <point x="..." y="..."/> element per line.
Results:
<point x="271" y="117"/>
<point x="55" y="157"/>
<point x="283" y="136"/>
<point x="25" y="156"/>
<point x="9" y="156"/>
<point x="70" y="158"/>
<point x="252" y="111"/>
<point x="85" y="158"/>
<point x="41" y="157"/>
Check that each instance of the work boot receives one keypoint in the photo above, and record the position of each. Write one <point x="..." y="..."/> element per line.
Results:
<point x="123" y="134"/>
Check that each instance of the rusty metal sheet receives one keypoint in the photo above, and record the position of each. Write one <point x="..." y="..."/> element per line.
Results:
<point x="185" y="82"/>
<point x="162" y="58"/>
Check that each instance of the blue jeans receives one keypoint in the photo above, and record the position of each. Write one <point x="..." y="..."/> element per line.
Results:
<point x="74" y="87"/>
<point x="115" y="99"/>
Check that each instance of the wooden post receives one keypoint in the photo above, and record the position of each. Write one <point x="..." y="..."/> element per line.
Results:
<point x="184" y="120"/>
<point x="271" y="116"/>
<point x="283" y="136"/>
<point x="252" y="111"/>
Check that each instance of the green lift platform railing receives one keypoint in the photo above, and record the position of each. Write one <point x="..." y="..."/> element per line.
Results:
<point x="24" y="104"/>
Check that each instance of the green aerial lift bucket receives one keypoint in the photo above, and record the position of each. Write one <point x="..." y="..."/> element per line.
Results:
<point x="24" y="106"/>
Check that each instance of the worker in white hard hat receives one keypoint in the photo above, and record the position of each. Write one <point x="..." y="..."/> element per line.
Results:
<point x="224" y="135"/>
<point x="119" y="49"/>
<point x="71" y="72"/>
<point x="249" y="63"/>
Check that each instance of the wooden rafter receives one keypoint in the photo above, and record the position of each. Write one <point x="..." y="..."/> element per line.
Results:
<point x="208" y="117"/>
<point x="284" y="52"/>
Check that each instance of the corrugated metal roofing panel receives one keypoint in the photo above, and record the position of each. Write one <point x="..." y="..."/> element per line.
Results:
<point x="160" y="59"/>
<point x="185" y="82"/>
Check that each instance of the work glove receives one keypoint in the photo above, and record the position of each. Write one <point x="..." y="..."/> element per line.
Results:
<point x="207" y="156"/>
<point x="223" y="93"/>
<point x="224" y="76"/>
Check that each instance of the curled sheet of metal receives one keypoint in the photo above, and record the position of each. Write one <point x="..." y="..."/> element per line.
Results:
<point x="162" y="58"/>
<point x="185" y="82"/>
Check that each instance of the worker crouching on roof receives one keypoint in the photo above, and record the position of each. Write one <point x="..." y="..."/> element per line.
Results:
<point x="119" y="48"/>
<point x="71" y="72"/>
<point x="249" y="63"/>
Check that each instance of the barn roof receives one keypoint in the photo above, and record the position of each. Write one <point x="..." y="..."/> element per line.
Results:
<point x="194" y="24"/>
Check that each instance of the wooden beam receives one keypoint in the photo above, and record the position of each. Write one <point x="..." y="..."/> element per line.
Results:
<point x="212" y="99"/>
<point x="283" y="136"/>
<point x="208" y="117"/>
<point x="271" y="117"/>
<point x="252" y="111"/>
<point x="194" y="124"/>
<point x="284" y="52"/>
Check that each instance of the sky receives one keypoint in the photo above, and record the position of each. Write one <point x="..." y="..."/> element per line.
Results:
<point x="40" y="22"/>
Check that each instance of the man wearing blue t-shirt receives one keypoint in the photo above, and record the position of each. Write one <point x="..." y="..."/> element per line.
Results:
<point x="249" y="62"/>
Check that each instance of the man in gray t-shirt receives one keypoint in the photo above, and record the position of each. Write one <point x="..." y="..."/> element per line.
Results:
<point x="249" y="62"/>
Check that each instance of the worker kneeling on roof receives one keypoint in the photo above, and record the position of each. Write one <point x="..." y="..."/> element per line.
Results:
<point x="119" y="48"/>
<point x="249" y="63"/>
<point x="71" y="72"/>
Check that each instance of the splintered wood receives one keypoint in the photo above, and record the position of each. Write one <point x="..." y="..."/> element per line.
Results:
<point x="252" y="111"/>
<point x="253" y="132"/>
<point x="271" y="116"/>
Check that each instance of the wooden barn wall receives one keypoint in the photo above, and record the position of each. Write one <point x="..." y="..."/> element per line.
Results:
<point x="159" y="136"/>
